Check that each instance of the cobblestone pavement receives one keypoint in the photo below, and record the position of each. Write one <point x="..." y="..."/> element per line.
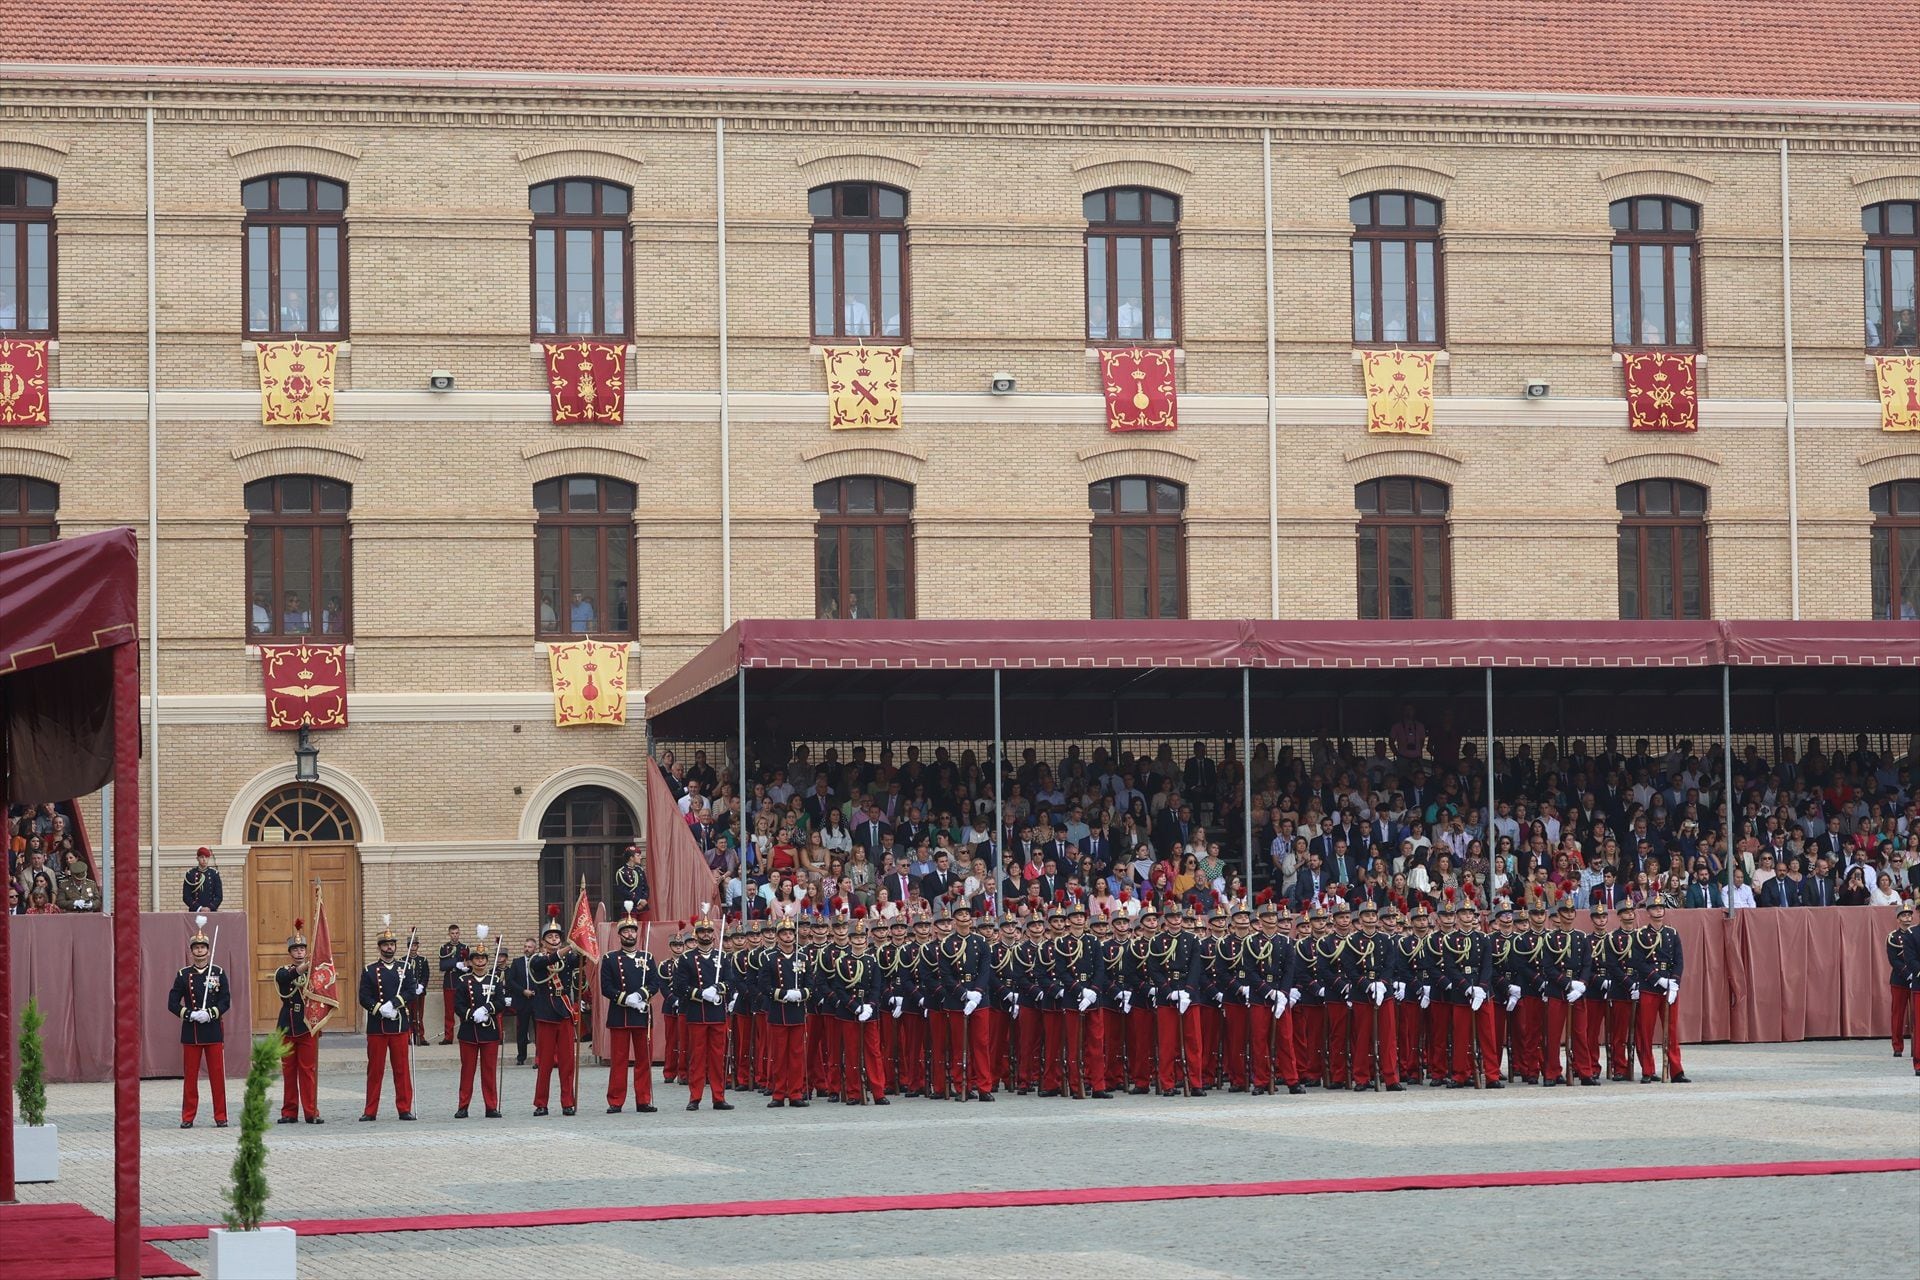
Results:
<point x="1751" y="1103"/>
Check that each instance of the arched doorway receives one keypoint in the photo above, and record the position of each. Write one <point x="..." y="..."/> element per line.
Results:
<point x="587" y="831"/>
<point x="300" y="834"/>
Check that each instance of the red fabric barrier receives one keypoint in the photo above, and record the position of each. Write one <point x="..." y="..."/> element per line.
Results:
<point x="1811" y="972"/>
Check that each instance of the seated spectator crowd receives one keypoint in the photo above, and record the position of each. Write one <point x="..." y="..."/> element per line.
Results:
<point x="1402" y="824"/>
<point x="47" y="870"/>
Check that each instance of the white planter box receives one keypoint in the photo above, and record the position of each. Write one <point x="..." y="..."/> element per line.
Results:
<point x="36" y="1153"/>
<point x="266" y="1254"/>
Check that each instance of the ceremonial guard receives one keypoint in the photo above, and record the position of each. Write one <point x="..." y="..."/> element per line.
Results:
<point x="1903" y="979"/>
<point x="1240" y="990"/>
<point x="630" y="883"/>
<point x="745" y="956"/>
<point x="916" y="1040"/>
<point x="1171" y="970"/>
<point x="823" y="1036"/>
<point x="1269" y="968"/>
<point x="1566" y="970"/>
<point x="1211" y="983"/>
<point x="1330" y="973"/>
<point x="898" y="993"/>
<point x="200" y="889"/>
<point x="418" y="975"/>
<point x="1621" y="995"/>
<point x="1659" y="966"/>
<point x="477" y="1000"/>
<point x="1133" y="990"/>
<point x="1308" y="1004"/>
<point x="386" y="987"/>
<point x="555" y="1007"/>
<point x="1525" y="972"/>
<point x="1408" y="1013"/>
<point x="962" y="984"/>
<point x="1051" y="1001"/>
<point x="299" y="1069"/>
<point x="629" y="980"/>
<point x="200" y="999"/>
<point x="1080" y="971"/>
<point x="673" y="1069"/>
<point x="702" y="982"/>
<point x="1025" y="980"/>
<point x="1369" y="969"/>
<point x="785" y="979"/>
<point x="855" y="999"/>
<point x="453" y="963"/>
<point x="1466" y="969"/>
<point x="1110" y="936"/>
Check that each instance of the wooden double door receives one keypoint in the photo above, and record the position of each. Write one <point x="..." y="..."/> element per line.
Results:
<point x="280" y="890"/>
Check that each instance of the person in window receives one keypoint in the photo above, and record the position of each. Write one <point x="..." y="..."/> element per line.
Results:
<point x="293" y="310"/>
<point x="257" y="316"/>
<point x="262" y="614"/>
<point x="859" y="319"/>
<point x="294" y="618"/>
<point x="549" y="616"/>
<point x="580" y="313"/>
<point x="329" y="311"/>
<point x="580" y="614"/>
<point x="330" y="617"/>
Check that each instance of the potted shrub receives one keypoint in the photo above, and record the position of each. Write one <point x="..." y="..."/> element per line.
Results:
<point x="36" y="1144"/>
<point x="245" y="1250"/>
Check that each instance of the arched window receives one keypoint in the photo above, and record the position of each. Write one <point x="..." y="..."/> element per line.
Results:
<point x="294" y="257"/>
<point x="582" y="258"/>
<point x="1663" y="549"/>
<point x="859" y="260"/>
<point x="1133" y="265"/>
<point x="1403" y="563"/>
<point x="301" y="813"/>
<point x="863" y="548"/>
<point x="583" y="557"/>
<point x="1397" y="291"/>
<point x="28" y="303"/>
<point x="1656" y="272"/>
<point x="1893" y="244"/>
<point x="587" y="832"/>
<point x="1139" y="548"/>
<point x="27" y="511"/>
<point x="299" y="559"/>
<point x="1896" y="549"/>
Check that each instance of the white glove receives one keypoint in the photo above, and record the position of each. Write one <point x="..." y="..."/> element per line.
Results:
<point x="865" y="1012"/>
<point x="1014" y="1012"/>
<point x="387" y="1011"/>
<point x="1633" y="993"/>
<point x="1126" y="1002"/>
<point x="1663" y="983"/>
<point x="1513" y="999"/>
<point x="733" y="1002"/>
<point x="1279" y="1003"/>
<point x="461" y="965"/>
<point x="710" y="995"/>
<point x="792" y="995"/>
<point x="899" y="1003"/>
<point x="973" y="1002"/>
<point x="1399" y="991"/>
<point x="1321" y="991"/>
<point x="1673" y="992"/>
<point x="1087" y="996"/>
<point x="1426" y="996"/>
<point x="1475" y="998"/>
<point x="1182" y="999"/>
<point x="1378" y="990"/>
<point x="633" y="1000"/>
<point x="419" y="990"/>
<point x="201" y="1015"/>
<point x="1246" y="993"/>
<point x="481" y="1015"/>
<point x="1574" y="991"/>
<point x="1293" y="996"/>
<point x="509" y="1002"/>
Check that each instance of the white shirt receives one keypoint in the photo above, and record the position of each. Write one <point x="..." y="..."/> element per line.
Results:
<point x="1743" y="895"/>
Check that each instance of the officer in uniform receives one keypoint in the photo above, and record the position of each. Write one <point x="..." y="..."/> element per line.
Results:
<point x="200" y="889"/>
<point x="477" y="999"/>
<point x="1658" y="947"/>
<point x="1330" y="972"/>
<point x="898" y="994"/>
<point x="418" y="976"/>
<point x="785" y="978"/>
<point x="629" y="980"/>
<point x="1133" y="990"/>
<point x="1408" y="1016"/>
<point x="855" y="1001"/>
<point x="673" y="1069"/>
<point x="1171" y="968"/>
<point x="1369" y="969"/>
<point x="702" y="981"/>
<point x="1308" y="1005"/>
<point x="386" y="988"/>
<point x="1622" y="993"/>
<point x="555" y="1007"/>
<point x="453" y="963"/>
<point x="630" y="883"/>
<point x="1108" y="939"/>
<point x="1079" y="975"/>
<point x="1271" y="964"/>
<point x="200" y="999"/>
<point x="1239" y="990"/>
<point x="963" y="982"/>
<point x="1566" y="970"/>
<point x="1903" y="981"/>
<point x="299" y="1069"/>
<point x="1525" y="960"/>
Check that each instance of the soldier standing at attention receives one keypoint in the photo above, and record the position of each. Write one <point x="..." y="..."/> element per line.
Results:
<point x="200" y="999"/>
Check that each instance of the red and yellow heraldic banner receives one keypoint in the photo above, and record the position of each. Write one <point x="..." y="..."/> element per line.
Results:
<point x="296" y="383"/>
<point x="589" y="682"/>
<point x="1899" y="378"/>
<point x="23" y="383"/>
<point x="863" y="388"/>
<point x="1661" y="392"/>
<point x="1140" y="388"/>
<point x="588" y="381"/>
<point x="1399" y="392"/>
<point x="306" y="685"/>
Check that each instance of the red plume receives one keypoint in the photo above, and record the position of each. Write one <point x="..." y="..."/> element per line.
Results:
<point x="1059" y="896"/>
<point x="1449" y="893"/>
<point x="553" y="911"/>
<point x="298" y="924"/>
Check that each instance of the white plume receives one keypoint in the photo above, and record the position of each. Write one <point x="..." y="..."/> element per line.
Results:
<point x="387" y="921"/>
<point x="200" y="922"/>
<point x="629" y="903"/>
<point x="480" y="931"/>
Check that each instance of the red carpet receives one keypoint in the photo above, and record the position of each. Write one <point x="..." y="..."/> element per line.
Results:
<point x="66" y="1242"/>
<point x="1069" y="1196"/>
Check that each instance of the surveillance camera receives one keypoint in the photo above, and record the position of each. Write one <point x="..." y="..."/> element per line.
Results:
<point x="1002" y="384"/>
<point x="440" y="380"/>
<point x="1537" y="389"/>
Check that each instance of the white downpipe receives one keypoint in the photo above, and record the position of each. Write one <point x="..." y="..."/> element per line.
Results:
<point x="153" y="537"/>
<point x="1273" y="398"/>
<point x="726" y="406"/>
<point x="1793" y="420"/>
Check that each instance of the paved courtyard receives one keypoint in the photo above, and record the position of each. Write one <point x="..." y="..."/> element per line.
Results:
<point x="1848" y="1100"/>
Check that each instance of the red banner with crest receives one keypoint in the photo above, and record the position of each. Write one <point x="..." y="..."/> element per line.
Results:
<point x="1140" y="388"/>
<point x="323" y="980"/>
<point x="306" y="685"/>
<point x="23" y="383"/>
<point x="587" y="381"/>
<point x="1661" y="391"/>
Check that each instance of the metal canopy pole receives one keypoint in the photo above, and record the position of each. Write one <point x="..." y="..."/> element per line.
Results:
<point x="999" y="811"/>
<point x="740" y="789"/>
<point x="1726" y="764"/>
<point x="1246" y="768"/>
<point x="1487" y="821"/>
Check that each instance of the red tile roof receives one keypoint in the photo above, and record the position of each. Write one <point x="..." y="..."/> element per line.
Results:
<point x="1754" y="49"/>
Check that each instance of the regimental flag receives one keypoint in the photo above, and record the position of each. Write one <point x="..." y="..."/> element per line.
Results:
<point x="323" y="980"/>
<point x="1899" y="378"/>
<point x="306" y="685"/>
<point x="1399" y="392"/>
<point x="863" y="387"/>
<point x="584" y="937"/>
<point x="296" y="383"/>
<point x="23" y="383"/>
<point x="1661" y="391"/>
<point x="1140" y="389"/>
<point x="587" y="381"/>
<point x="589" y="682"/>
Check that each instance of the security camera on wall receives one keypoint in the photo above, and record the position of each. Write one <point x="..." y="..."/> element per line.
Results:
<point x="440" y="380"/>
<point x="1537" y="389"/>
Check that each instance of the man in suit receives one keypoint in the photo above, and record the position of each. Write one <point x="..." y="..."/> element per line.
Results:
<point x="1201" y="778"/>
<point x="1310" y="883"/>
<point x="1172" y="828"/>
<point x="1827" y="844"/>
<point x="519" y="999"/>
<point x="1055" y="849"/>
<point x="897" y="883"/>
<point x="1817" y="890"/>
<point x="934" y="885"/>
<point x="1704" y="891"/>
<point x="868" y="831"/>
<point x="1342" y="868"/>
<point x="1098" y="848"/>
<point x="1779" y="891"/>
<point x="818" y="803"/>
<point x="908" y="832"/>
<point x="1051" y="882"/>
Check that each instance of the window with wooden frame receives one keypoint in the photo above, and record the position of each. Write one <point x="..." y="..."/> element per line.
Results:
<point x="299" y="559"/>
<point x="859" y="261"/>
<point x="1663" y="549"/>
<point x="1896" y="549"/>
<point x="1403" y="560"/>
<point x="1398" y="288"/>
<point x="29" y="305"/>
<point x="28" y="508"/>
<point x="582" y="268"/>
<point x="1139" y="548"/>
<point x="585" y="833"/>
<point x="1893" y="245"/>
<point x="583" y="558"/>
<point x="1656" y="273"/>
<point x="1133" y="265"/>
<point x="863" y="548"/>
<point x="294" y="257"/>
